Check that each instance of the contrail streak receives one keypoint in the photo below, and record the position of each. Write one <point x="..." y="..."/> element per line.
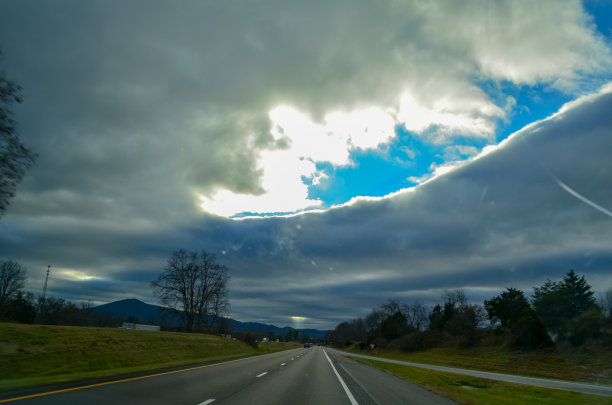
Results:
<point x="580" y="196"/>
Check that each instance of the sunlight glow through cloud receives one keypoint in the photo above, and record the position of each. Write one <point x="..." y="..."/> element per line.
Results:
<point x="454" y="89"/>
<point x="75" y="275"/>
<point x="307" y="143"/>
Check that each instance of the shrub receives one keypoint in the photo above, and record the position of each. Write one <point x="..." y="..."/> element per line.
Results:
<point x="420" y="340"/>
<point x="249" y="339"/>
<point x="588" y="325"/>
<point x="529" y="333"/>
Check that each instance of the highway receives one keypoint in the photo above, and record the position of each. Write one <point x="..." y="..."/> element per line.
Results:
<point x="300" y="376"/>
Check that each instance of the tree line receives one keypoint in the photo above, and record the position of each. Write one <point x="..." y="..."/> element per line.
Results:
<point x="16" y="305"/>
<point x="559" y="311"/>
<point x="193" y="286"/>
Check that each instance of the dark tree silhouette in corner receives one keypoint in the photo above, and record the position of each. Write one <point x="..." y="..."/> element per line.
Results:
<point x="15" y="158"/>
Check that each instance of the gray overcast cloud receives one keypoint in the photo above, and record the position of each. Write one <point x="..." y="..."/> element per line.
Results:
<point x="138" y="109"/>
<point x="500" y="220"/>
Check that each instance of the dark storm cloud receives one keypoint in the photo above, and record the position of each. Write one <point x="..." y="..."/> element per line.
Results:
<point x="134" y="107"/>
<point x="499" y="221"/>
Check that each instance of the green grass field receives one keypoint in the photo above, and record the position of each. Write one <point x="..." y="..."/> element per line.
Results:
<point x="590" y="363"/>
<point x="472" y="390"/>
<point x="32" y="355"/>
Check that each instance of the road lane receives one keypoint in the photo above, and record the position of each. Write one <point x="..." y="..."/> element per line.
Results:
<point x="309" y="379"/>
<point x="299" y="376"/>
<point x="190" y="387"/>
<point x="370" y="385"/>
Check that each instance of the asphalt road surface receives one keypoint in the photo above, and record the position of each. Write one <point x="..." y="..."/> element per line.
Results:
<point x="299" y="376"/>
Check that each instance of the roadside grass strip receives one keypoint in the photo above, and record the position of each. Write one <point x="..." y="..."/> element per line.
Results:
<point x="39" y="355"/>
<point x="591" y="363"/>
<point x="475" y="390"/>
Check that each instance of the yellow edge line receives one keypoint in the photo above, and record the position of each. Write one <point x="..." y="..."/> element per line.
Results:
<point x="120" y="381"/>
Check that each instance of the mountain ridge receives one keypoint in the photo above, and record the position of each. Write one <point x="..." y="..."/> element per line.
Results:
<point x="155" y="314"/>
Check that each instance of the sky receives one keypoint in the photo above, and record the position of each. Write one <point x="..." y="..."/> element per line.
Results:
<point x="333" y="154"/>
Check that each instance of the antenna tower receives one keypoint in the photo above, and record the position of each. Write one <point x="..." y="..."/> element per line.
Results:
<point x="45" y="287"/>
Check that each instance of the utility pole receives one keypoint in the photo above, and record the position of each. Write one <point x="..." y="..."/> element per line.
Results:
<point x="45" y="287"/>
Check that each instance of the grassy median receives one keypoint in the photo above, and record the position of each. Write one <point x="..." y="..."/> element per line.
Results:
<point x="473" y="390"/>
<point x="32" y="355"/>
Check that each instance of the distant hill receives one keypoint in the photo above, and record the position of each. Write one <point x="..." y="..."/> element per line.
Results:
<point x="143" y="312"/>
<point x="157" y="315"/>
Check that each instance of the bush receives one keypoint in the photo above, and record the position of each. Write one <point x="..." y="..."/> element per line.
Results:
<point x="249" y="339"/>
<point x="20" y="309"/>
<point x="588" y="325"/>
<point x="420" y="340"/>
<point x="379" y="342"/>
<point x="529" y="333"/>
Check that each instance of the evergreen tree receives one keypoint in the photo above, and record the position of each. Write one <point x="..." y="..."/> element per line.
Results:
<point x="550" y="306"/>
<point x="578" y="294"/>
<point x="564" y="308"/>
<point x="512" y="310"/>
<point x="508" y="307"/>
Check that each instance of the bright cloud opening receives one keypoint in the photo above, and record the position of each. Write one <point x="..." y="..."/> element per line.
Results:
<point x="460" y="73"/>
<point x="288" y="171"/>
<point x="469" y="114"/>
<point x="307" y="143"/>
<point x="75" y="275"/>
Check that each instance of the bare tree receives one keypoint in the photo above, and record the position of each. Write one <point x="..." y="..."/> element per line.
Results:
<point x="416" y="315"/>
<point x="196" y="285"/>
<point x="12" y="280"/>
<point x="605" y="302"/>
<point x="455" y="298"/>
<point x="220" y="299"/>
<point x="390" y="308"/>
<point x="213" y="298"/>
<point x="374" y="319"/>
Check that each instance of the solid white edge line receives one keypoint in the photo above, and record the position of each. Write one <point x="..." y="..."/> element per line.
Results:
<point x="262" y="374"/>
<point x="348" y="392"/>
<point x="208" y="401"/>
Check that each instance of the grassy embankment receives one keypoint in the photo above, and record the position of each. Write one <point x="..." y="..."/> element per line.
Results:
<point x="472" y="390"/>
<point x="590" y="363"/>
<point x="33" y="355"/>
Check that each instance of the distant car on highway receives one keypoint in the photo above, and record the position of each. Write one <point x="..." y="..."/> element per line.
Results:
<point x="307" y="345"/>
